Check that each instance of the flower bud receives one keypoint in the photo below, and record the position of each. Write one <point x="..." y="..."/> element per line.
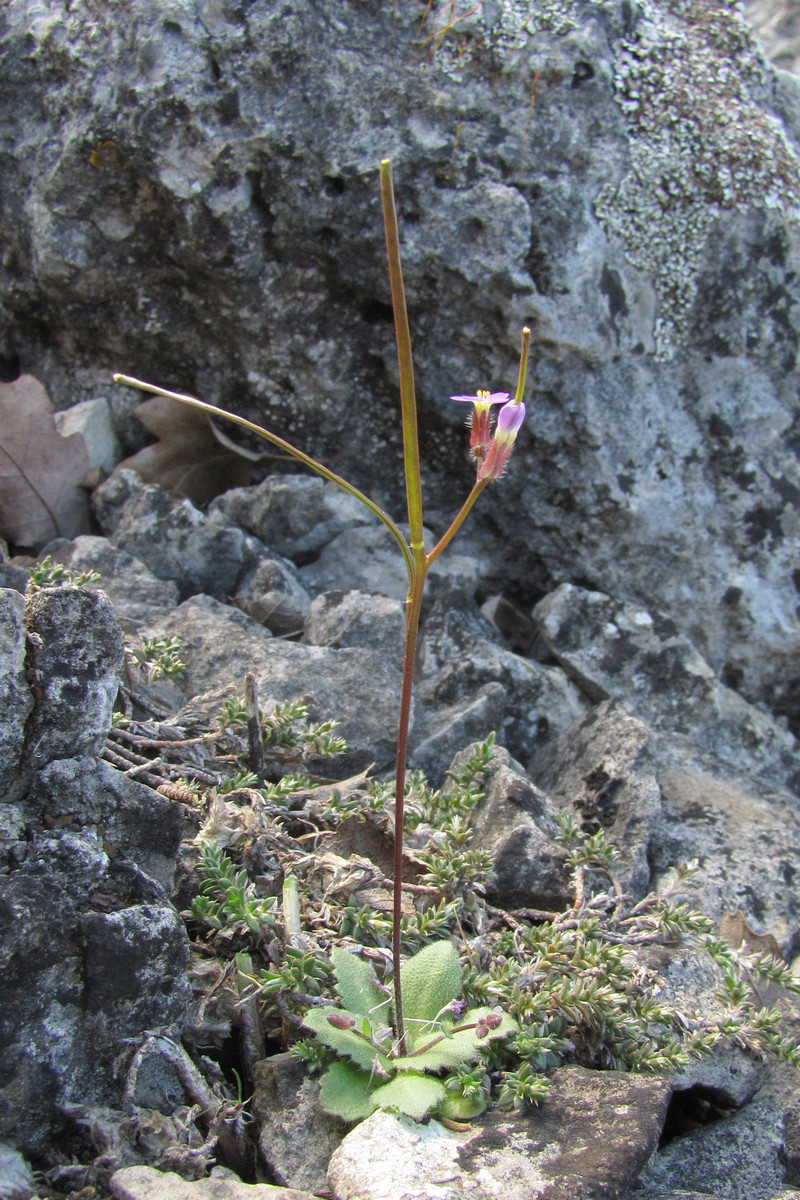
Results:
<point x="340" y="1021"/>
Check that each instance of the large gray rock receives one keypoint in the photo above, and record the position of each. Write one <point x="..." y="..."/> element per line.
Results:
<point x="76" y="654"/>
<point x="173" y="538"/>
<point x="295" y="1137"/>
<point x="16" y="700"/>
<point x="601" y="771"/>
<point x="739" y="1157"/>
<point x="613" y="649"/>
<point x="135" y="821"/>
<point x="517" y="823"/>
<point x="360" y="687"/>
<point x="92" y="955"/>
<point x="461" y="655"/>
<point x="586" y="1141"/>
<point x="639" y="216"/>
<point x="295" y="515"/>
<point x="745" y="834"/>
<point x="130" y="586"/>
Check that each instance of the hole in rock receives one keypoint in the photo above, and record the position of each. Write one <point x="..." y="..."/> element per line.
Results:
<point x="581" y="72"/>
<point x="693" y="1108"/>
<point x="10" y="370"/>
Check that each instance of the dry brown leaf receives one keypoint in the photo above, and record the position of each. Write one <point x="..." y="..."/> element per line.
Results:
<point x="734" y="930"/>
<point x="40" y="471"/>
<point x="192" y="458"/>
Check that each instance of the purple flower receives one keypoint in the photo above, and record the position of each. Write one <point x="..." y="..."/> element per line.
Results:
<point x="480" y="419"/>
<point x="509" y="420"/>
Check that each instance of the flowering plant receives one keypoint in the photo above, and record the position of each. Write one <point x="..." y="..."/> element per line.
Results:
<point x="490" y="451"/>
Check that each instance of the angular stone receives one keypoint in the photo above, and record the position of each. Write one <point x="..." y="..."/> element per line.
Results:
<point x="295" y="1137"/>
<point x="131" y="587"/>
<point x="357" y="619"/>
<point x="76" y="654"/>
<point x="294" y="515"/>
<point x="602" y="771"/>
<point x="272" y="594"/>
<point x="460" y="653"/>
<point x="360" y="688"/>
<point x="517" y="823"/>
<point x="587" y="1141"/>
<point x="16" y="700"/>
<point x="741" y="1156"/>
<point x="369" y="560"/>
<point x="745" y="834"/>
<point x="146" y="1183"/>
<point x="16" y="1176"/>
<point x="136" y="822"/>
<point x="441" y="734"/>
<point x="91" y="955"/>
<point x="618" y="650"/>
<point x="92" y="420"/>
<point x="173" y="538"/>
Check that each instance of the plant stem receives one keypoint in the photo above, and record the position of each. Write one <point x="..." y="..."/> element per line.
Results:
<point x="413" y="606"/>
<point x="458" y="521"/>
<point x="282" y="444"/>
<point x="404" y="359"/>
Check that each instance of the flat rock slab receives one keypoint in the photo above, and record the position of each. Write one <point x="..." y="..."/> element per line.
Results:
<point x="146" y="1183"/>
<point x="587" y="1141"/>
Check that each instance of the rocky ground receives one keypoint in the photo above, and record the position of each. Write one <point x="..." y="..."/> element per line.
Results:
<point x="190" y="192"/>
<point x="117" y="1023"/>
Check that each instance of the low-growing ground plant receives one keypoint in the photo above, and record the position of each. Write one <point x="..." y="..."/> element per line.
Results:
<point x="506" y="997"/>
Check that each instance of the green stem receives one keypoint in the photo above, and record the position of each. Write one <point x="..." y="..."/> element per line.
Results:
<point x="456" y="524"/>
<point x="282" y="444"/>
<point x="404" y="358"/>
<point x="523" y="365"/>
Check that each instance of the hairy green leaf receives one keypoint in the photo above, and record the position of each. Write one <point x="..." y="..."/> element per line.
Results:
<point x="343" y="1041"/>
<point x="355" y="981"/>
<point x="430" y="981"/>
<point x="415" y="1095"/>
<point x="344" y="1092"/>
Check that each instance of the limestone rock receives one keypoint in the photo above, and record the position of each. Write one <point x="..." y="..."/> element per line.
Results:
<point x="130" y="586"/>
<point x="146" y="1183"/>
<point x="612" y="649"/>
<point x="136" y="823"/>
<point x="295" y="1137"/>
<point x="295" y="515"/>
<point x="460" y="654"/>
<point x="638" y="218"/>
<point x="358" y="687"/>
<point x="92" y="954"/>
<point x="93" y="421"/>
<point x="172" y="537"/>
<point x="586" y="1141"/>
<point x="75" y="658"/>
<point x="737" y="1157"/>
<point x="602" y="771"/>
<point x="745" y="834"/>
<point x="16" y="700"/>
<point x="357" y="619"/>
<point x="369" y="560"/>
<point x="444" y="732"/>
<point x="16" y="1176"/>
<point x="517" y="823"/>
<point x="272" y="594"/>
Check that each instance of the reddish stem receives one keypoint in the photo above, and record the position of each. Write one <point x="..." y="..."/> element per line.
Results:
<point x="413" y="606"/>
